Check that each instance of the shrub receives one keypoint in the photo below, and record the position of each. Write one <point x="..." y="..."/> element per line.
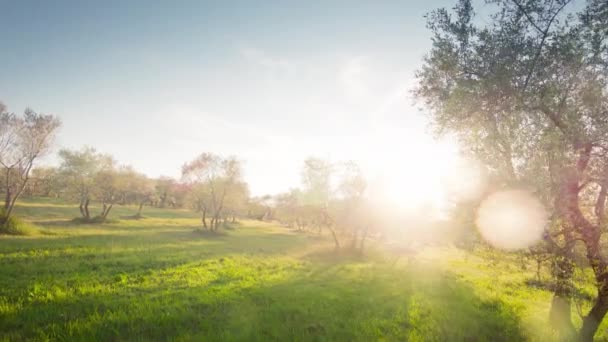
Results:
<point x="15" y="226"/>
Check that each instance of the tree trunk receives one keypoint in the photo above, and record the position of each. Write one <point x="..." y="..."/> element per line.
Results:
<point x="9" y="211"/>
<point x="592" y="321"/>
<point x="216" y="221"/>
<point x="353" y="243"/>
<point x="7" y="199"/>
<point x="106" y="210"/>
<point x="335" y="237"/>
<point x="362" y="245"/>
<point x="560" y="312"/>
<point x="204" y="219"/>
<point x="81" y="208"/>
<point x="141" y="206"/>
<point x="86" y="209"/>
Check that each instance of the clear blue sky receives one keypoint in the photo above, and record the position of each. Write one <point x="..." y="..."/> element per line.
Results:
<point x="156" y="83"/>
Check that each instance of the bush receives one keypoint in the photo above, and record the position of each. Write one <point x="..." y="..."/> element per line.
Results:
<point x="15" y="226"/>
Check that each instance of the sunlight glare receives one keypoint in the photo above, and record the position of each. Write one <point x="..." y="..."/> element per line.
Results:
<point x="466" y="181"/>
<point x="412" y="179"/>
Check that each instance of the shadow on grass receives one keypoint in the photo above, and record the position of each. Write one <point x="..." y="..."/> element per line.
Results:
<point x="354" y="305"/>
<point x="135" y="217"/>
<point x="59" y="223"/>
<point x="333" y="255"/>
<point x="549" y="285"/>
<point x="211" y="234"/>
<point x="77" y="222"/>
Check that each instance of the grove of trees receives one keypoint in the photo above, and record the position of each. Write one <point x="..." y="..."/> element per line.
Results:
<point x="524" y="88"/>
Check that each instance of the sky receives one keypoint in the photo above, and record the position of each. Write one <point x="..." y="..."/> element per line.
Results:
<point x="272" y="82"/>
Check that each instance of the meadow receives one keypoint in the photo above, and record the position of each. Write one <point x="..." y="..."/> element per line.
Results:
<point x="160" y="278"/>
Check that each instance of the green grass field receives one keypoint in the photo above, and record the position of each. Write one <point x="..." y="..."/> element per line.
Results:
<point x="159" y="279"/>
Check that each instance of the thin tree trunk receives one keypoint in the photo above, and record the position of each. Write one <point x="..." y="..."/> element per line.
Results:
<point x="81" y="208"/>
<point x="363" y="238"/>
<point x="353" y="242"/>
<point x="141" y="206"/>
<point x="204" y="219"/>
<point x="335" y="237"/>
<point x="9" y="211"/>
<point x="86" y="209"/>
<point x="7" y="199"/>
<point x="106" y="210"/>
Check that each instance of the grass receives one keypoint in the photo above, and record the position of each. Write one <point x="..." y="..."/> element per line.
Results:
<point x="159" y="278"/>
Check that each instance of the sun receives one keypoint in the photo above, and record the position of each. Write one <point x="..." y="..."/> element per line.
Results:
<point x="412" y="173"/>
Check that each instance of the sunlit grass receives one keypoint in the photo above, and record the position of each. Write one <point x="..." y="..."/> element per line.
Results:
<point x="159" y="278"/>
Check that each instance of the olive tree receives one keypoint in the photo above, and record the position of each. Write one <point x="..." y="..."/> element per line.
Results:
<point x="80" y="170"/>
<point x="23" y="141"/>
<point x="216" y="178"/>
<point x="333" y="197"/>
<point x="46" y="182"/>
<point x="134" y="187"/>
<point x="526" y="91"/>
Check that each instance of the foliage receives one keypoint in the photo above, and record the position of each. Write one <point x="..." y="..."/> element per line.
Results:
<point x="527" y="93"/>
<point x="83" y="170"/>
<point x="217" y="185"/>
<point x="23" y="140"/>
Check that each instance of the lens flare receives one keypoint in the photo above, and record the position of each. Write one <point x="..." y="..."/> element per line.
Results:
<point x="511" y="219"/>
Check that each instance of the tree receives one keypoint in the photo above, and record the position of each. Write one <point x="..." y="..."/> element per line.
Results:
<point x="23" y="140"/>
<point x="316" y="183"/>
<point x="526" y="91"/>
<point x="46" y="182"/>
<point x="316" y="180"/>
<point x="236" y="200"/>
<point x="134" y="187"/>
<point x="351" y="204"/>
<point x="165" y="191"/>
<point x="107" y="188"/>
<point x="289" y="208"/>
<point x="80" y="170"/>
<point x="217" y="176"/>
<point x="199" y="197"/>
<point x="333" y="198"/>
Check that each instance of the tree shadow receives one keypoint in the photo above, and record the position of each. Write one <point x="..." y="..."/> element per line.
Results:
<point x="549" y="285"/>
<point x="354" y="302"/>
<point x="58" y="223"/>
